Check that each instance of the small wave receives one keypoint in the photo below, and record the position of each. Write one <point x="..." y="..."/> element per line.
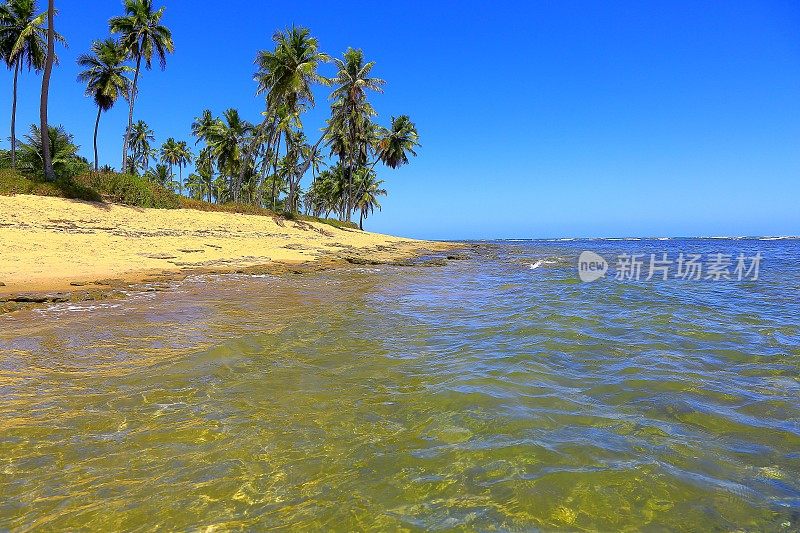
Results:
<point x="780" y="238"/>
<point x="59" y="309"/>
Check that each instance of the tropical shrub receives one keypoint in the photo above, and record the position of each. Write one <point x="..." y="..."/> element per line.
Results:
<point x="129" y="189"/>
<point x="66" y="161"/>
<point x="13" y="182"/>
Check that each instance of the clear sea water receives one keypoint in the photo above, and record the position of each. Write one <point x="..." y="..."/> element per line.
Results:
<point x="483" y="395"/>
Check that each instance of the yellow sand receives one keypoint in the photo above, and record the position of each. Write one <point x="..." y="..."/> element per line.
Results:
<point x="48" y="243"/>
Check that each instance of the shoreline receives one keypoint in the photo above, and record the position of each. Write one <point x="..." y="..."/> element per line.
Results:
<point x="57" y="250"/>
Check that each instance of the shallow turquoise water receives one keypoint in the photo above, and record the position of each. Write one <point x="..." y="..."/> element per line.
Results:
<point x="483" y="395"/>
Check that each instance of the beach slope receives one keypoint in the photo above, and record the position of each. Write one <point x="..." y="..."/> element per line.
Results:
<point x="54" y="244"/>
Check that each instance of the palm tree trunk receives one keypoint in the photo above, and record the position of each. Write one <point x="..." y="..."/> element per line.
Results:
<point x="266" y="163"/>
<point x="48" y="69"/>
<point x="248" y="153"/>
<point x="96" y="125"/>
<point x="180" y="180"/>
<point x="131" y="102"/>
<point x="290" y="207"/>
<point x="361" y="221"/>
<point x="14" y="115"/>
<point x="350" y="178"/>
<point x="275" y="172"/>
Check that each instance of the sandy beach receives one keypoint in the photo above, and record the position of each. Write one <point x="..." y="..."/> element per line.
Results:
<point x="53" y="244"/>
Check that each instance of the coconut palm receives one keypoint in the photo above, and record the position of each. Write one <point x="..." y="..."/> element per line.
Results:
<point x="221" y="191"/>
<point x="286" y="76"/>
<point x="368" y="188"/>
<point x="63" y="150"/>
<point x="205" y="169"/>
<point x="23" y="40"/>
<point x="226" y="141"/>
<point x="297" y="150"/>
<point x="139" y="137"/>
<point x="160" y="175"/>
<point x="105" y="78"/>
<point x="351" y="113"/>
<point x="183" y="158"/>
<point x="396" y="143"/>
<point x="176" y="153"/>
<point x="203" y="126"/>
<point x="49" y="172"/>
<point x="326" y="192"/>
<point x="167" y="154"/>
<point x="196" y="186"/>
<point x="142" y="35"/>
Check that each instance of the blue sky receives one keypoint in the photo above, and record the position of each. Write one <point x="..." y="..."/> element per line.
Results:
<point x="537" y="119"/>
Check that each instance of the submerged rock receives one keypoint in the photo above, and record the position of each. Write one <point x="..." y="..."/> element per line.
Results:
<point x="433" y="262"/>
<point x="363" y="261"/>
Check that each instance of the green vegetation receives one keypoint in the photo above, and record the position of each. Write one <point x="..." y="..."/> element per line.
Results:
<point x="14" y="182"/>
<point x="258" y="164"/>
<point x="141" y="36"/>
<point x="23" y="40"/>
<point x="92" y="186"/>
<point x="129" y="189"/>
<point x="105" y="79"/>
<point x="63" y="152"/>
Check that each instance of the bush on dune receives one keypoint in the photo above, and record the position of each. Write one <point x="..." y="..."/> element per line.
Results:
<point x="230" y="207"/>
<point x="249" y="209"/>
<point x="129" y="189"/>
<point x="13" y="182"/>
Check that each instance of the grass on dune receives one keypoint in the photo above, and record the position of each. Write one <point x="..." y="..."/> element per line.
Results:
<point x="249" y="209"/>
<point x="13" y="182"/>
<point x="132" y="190"/>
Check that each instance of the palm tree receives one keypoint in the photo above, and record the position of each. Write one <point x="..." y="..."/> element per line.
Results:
<point x="326" y="193"/>
<point x="169" y="154"/>
<point x="161" y="175"/>
<point x="368" y="188"/>
<point x="183" y="158"/>
<point x="49" y="173"/>
<point x="296" y="149"/>
<point x="176" y="153"/>
<point x="226" y="141"/>
<point x="396" y="143"/>
<point x="196" y="186"/>
<point x="32" y="152"/>
<point x="221" y="191"/>
<point x="286" y="76"/>
<point x="351" y="113"/>
<point x="203" y="126"/>
<point x="139" y="137"/>
<point x="205" y="169"/>
<point x="142" y="35"/>
<point x="23" y="38"/>
<point x="105" y="78"/>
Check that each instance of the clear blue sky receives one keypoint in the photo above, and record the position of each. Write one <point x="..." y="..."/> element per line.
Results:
<point x="537" y="119"/>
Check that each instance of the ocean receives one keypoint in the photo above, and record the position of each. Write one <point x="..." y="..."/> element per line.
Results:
<point x="496" y="393"/>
